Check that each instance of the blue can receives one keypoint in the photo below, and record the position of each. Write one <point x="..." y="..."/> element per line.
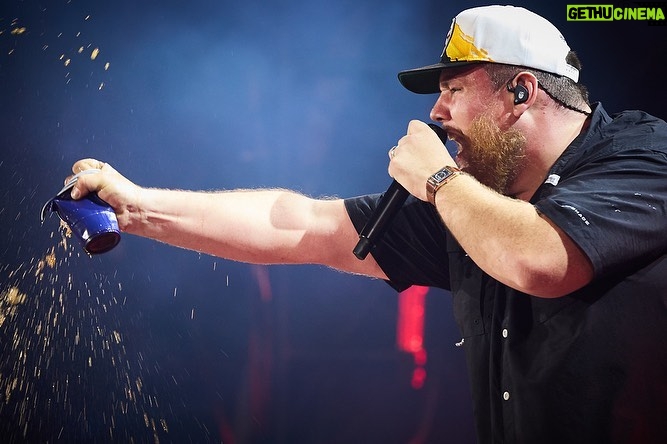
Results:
<point x="91" y="219"/>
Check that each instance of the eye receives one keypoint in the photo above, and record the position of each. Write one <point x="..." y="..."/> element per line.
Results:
<point x="447" y="88"/>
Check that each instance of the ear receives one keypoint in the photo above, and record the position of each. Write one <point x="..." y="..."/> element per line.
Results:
<point x="524" y="91"/>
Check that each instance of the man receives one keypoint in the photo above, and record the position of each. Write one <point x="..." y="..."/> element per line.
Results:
<point x="550" y="236"/>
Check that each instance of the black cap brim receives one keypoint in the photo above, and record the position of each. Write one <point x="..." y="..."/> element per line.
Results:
<point x="426" y="80"/>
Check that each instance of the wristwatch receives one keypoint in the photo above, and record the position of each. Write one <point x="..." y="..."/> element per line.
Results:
<point x="437" y="180"/>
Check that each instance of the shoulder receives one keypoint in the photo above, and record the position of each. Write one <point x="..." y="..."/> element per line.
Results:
<point x="627" y="135"/>
<point x="632" y="123"/>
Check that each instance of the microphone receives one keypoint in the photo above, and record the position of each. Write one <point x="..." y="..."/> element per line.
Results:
<point x="392" y="200"/>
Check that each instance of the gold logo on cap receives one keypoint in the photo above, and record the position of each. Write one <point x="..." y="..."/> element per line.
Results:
<point x="461" y="47"/>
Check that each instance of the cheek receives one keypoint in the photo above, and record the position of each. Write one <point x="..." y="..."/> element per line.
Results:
<point x="463" y="118"/>
<point x="475" y="109"/>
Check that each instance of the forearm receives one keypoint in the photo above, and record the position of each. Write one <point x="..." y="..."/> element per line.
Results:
<point x="510" y="241"/>
<point x="259" y="226"/>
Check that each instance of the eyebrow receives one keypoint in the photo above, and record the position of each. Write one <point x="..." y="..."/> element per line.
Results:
<point x="445" y="82"/>
<point x="448" y="74"/>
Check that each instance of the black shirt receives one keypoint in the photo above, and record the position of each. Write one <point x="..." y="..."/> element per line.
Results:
<point x="587" y="367"/>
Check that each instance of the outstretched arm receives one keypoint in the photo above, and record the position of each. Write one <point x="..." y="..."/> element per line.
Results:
<point x="253" y="226"/>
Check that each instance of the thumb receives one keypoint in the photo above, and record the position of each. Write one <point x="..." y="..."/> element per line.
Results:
<point x="417" y="126"/>
<point x="81" y="186"/>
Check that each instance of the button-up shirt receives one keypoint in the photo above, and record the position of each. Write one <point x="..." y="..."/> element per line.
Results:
<point x="587" y="367"/>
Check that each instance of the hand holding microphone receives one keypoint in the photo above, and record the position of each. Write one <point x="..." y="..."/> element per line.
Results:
<point x="392" y="200"/>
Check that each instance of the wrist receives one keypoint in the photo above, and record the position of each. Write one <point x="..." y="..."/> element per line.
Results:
<point x="439" y="179"/>
<point x="136" y="211"/>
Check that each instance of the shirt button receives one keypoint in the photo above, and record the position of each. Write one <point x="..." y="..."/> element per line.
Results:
<point x="506" y="396"/>
<point x="505" y="333"/>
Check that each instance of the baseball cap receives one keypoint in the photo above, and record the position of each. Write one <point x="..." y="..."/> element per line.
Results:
<point x="499" y="34"/>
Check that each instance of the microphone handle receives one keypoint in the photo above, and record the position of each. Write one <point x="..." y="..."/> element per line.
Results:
<point x="392" y="201"/>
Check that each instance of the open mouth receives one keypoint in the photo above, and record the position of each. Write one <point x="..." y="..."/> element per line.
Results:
<point x="460" y="160"/>
<point x="458" y="138"/>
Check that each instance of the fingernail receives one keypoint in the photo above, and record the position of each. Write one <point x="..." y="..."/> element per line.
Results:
<point x="75" y="193"/>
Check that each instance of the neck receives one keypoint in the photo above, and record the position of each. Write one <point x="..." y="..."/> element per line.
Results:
<point x="552" y="140"/>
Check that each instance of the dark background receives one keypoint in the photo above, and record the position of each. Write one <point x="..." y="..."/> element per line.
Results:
<point x="150" y="343"/>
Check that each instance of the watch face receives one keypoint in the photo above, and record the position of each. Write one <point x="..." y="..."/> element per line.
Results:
<point x="441" y="175"/>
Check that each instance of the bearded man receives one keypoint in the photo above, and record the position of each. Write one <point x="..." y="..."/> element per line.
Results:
<point x="548" y="229"/>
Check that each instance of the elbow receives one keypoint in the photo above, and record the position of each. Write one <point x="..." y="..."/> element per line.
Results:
<point x="550" y="280"/>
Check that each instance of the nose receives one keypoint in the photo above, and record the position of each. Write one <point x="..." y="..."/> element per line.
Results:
<point x="440" y="110"/>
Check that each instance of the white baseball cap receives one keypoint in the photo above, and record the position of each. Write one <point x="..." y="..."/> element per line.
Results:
<point x="498" y="34"/>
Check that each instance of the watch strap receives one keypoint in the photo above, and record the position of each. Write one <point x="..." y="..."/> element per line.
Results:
<point x="439" y="179"/>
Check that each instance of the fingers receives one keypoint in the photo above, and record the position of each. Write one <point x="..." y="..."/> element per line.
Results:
<point x="392" y="152"/>
<point x="86" y="181"/>
<point x="414" y="127"/>
<point x="84" y="165"/>
<point x="87" y="164"/>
